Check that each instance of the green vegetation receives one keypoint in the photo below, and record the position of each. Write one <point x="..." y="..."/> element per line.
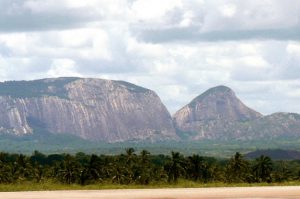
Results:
<point x="139" y="170"/>
<point x="65" y="143"/>
<point x="37" y="88"/>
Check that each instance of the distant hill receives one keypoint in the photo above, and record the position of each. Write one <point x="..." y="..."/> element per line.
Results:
<point x="218" y="114"/>
<point x="214" y="115"/>
<point x="275" y="154"/>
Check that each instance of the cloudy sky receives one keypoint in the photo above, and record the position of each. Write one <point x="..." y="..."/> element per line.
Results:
<point x="178" y="48"/>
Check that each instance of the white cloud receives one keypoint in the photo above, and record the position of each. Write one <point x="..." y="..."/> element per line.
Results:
<point x="142" y="49"/>
<point x="253" y="62"/>
<point x="44" y="6"/>
<point x="293" y="48"/>
<point x="80" y="4"/>
<point x="228" y="10"/>
<point x="255" y="50"/>
<point x="18" y="43"/>
<point x="188" y="18"/>
<point x="63" y="67"/>
<point x="152" y="10"/>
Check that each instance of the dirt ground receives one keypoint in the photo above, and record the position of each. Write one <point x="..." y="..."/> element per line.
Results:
<point x="291" y="192"/>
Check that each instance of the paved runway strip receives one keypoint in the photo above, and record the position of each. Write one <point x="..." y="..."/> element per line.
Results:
<point x="284" y="192"/>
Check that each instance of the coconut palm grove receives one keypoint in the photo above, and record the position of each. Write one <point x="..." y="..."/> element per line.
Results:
<point x="142" y="168"/>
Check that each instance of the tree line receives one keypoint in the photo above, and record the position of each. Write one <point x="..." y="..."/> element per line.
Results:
<point x="143" y="168"/>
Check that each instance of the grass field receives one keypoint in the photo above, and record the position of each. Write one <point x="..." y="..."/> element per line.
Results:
<point x="47" y="186"/>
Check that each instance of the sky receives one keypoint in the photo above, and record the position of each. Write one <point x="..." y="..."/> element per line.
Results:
<point x="178" y="48"/>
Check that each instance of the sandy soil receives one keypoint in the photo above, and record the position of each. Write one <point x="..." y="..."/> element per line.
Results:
<point x="211" y="193"/>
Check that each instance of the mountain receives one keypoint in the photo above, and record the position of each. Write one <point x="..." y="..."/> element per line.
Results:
<point x="275" y="154"/>
<point x="218" y="114"/>
<point x="213" y="115"/>
<point x="92" y="109"/>
<point x="87" y="109"/>
<point x="275" y="126"/>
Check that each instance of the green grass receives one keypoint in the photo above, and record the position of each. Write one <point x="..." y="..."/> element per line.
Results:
<point x="51" y="186"/>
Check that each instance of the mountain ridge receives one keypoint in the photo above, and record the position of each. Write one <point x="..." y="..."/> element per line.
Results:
<point x="118" y="111"/>
<point x="219" y="114"/>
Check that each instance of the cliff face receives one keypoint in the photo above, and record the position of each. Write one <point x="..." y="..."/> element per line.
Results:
<point x="116" y="111"/>
<point x="92" y="109"/>
<point x="276" y="125"/>
<point x="218" y="114"/>
<point x="214" y="115"/>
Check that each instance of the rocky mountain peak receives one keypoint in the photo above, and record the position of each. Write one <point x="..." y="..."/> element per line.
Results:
<point x="218" y="103"/>
<point x="209" y="113"/>
<point x="219" y="89"/>
<point x="213" y="93"/>
<point x="93" y="109"/>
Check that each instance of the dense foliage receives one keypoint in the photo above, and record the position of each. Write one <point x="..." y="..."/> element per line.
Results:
<point x="142" y="168"/>
<point x="37" y="88"/>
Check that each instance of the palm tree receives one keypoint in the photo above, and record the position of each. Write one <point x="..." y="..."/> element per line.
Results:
<point x="118" y="175"/>
<point x="263" y="168"/>
<point x="145" y="157"/>
<point x="202" y="169"/>
<point x="69" y="170"/>
<point x="282" y="173"/>
<point x="5" y="173"/>
<point x="237" y="169"/>
<point x="39" y="172"/>
<point x="83" y="176"/>
<point x="130" y="156"/>
<point x="195" y="167"/>
<point x="175" y="167"/>
<point x="297" y="177"/>
<point x="22" y="168"/>
<point x="130" y="160"/>
<point x="94" y="168"/>
<point x="213" y="173"/>
<point x="38" y="158"/>
<point x="143" y="168"/>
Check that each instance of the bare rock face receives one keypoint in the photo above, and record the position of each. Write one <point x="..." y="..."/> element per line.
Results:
<point x="214" y="115"/>
<point x="276" y="125"/>
<point x="93" y="109"/>
<point x="218" y="114"/>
